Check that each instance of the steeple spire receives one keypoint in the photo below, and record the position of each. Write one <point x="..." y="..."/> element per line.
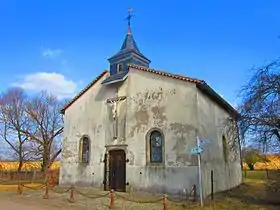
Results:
<point x="129" y="47"/>
<point x="127" y="55"/>
<point x="129" y="10"/>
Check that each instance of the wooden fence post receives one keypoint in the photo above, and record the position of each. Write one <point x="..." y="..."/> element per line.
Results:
<point x="51" y="180"/>
<point x="165" y="202"/>
<point x="212" y="185"/>
<point x="33" y="176"/>
<point x="194" y="193"/>
<point x="71" y="198"/>
<point x="46" y="196"/>
<point x="111" y="199"/>
<point x="19" y="189"/>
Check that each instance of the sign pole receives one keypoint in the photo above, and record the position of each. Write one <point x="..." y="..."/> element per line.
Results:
<point x="199" y="172"/>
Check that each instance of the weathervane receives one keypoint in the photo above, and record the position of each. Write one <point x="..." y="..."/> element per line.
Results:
<point x="129" y="10"/>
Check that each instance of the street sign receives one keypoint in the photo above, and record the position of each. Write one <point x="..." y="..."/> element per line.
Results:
<point x="196" y="150"/>
<point x="203" y="143"/>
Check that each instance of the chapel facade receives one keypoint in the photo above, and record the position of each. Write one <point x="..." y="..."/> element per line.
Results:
<point x="133" y="128"/>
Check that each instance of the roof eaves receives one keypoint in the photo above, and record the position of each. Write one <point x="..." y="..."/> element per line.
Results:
<point x="163" y="73"/>
<point x="123" y="52"/>
<point x="205" y="88"/>
<point x="62" y="111"/>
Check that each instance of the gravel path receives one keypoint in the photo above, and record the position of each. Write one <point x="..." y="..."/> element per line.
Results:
<point x="33" y="201"/>
<point x="8" y="204"/>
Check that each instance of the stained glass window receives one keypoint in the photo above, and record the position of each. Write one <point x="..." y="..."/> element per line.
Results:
<point x="85" y="150"/>
<point x="156" y="147"/>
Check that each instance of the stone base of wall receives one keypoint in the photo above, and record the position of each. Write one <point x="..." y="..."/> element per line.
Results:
<point x="175" y="181"/>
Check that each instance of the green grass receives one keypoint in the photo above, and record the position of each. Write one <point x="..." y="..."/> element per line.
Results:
<point x="260" y="190"/>
<point x="261" y="174"/>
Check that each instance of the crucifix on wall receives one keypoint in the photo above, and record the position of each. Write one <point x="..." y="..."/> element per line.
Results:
<point x="113" y="102"/>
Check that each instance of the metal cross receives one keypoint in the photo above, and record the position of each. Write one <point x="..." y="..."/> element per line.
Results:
<point x="129" y="10"/>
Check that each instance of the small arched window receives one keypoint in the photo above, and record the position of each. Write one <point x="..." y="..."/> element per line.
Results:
<point x="156" y="147"/>
<point x="84" y="150"/>
<point x="225" y="148"/>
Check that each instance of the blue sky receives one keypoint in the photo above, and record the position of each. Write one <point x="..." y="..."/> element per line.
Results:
<point x="62" y="45"/>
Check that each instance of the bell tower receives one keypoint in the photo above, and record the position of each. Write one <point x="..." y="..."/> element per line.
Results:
<point x="128" y="54"/>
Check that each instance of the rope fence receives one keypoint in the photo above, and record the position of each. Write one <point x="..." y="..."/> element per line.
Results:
<point x="49" y="186"/>
<point x="112" y="195"/>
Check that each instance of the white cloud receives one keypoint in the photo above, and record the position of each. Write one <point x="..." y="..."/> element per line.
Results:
<point x="51" y="53"/>
<point x="54" y="83"/>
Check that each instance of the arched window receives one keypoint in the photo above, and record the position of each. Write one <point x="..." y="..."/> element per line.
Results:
<point x="225" y="148"/>
<point x="84" y="149"/>
<point x="156" y="147"/>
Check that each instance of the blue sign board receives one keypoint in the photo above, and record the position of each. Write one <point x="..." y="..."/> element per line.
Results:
<point x="196" y="150"/>
<point x="205" y="141"/>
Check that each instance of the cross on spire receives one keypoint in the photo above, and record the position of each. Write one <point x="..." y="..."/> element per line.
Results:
<point x="129" y="10"/>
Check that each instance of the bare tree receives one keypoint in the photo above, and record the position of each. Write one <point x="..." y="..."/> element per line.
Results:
<point x="260" y="108"/>
<point x="44" y="113"/>
<point x="231" y="127"/>
<point x="13" y="119"/>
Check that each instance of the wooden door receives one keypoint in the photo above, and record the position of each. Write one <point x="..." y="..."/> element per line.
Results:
<point x="117" y="166"/>
<point x="106" y="172"/>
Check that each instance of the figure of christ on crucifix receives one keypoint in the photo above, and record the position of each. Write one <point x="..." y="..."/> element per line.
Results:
<point x="113" y="102"/>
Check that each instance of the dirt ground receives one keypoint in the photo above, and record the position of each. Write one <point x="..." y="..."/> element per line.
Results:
<point x="7" y="203"/>
<point x="94" y="200"/>
<point x="252" y="194"/>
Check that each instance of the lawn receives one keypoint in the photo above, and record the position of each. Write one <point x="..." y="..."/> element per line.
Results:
<point x="260" y="190"/>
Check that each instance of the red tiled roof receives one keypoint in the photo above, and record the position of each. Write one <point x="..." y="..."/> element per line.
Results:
<point x="83" y="91"/>
<point x="174" y="76"/>
<point x="201" y="84"/>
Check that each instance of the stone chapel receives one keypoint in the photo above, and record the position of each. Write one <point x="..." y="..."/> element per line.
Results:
<point x="133" y="128"/>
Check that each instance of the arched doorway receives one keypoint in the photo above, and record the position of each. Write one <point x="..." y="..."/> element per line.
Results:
<point x="117" y="170"/>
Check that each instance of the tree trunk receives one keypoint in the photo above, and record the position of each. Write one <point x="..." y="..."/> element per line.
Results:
<point x="46" y="159"/>
<point x="20" y="158"/>
<point x="251" y="166"/>
<point x="45" y="162"/>
<point x="20" y="165"/>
